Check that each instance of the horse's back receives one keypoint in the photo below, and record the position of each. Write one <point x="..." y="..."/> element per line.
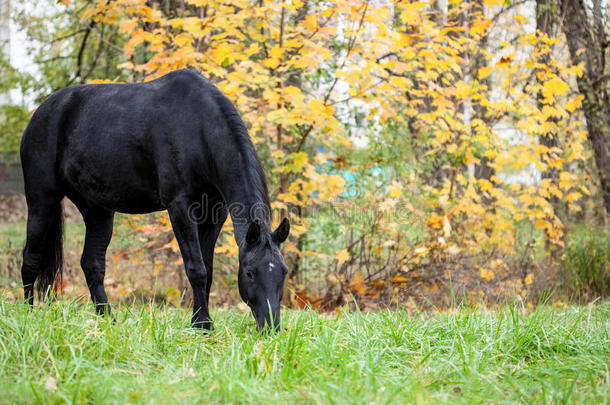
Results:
<point x="127" y="147"/>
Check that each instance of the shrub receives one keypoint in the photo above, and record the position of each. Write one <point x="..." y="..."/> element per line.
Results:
<point x="586" y="262"/>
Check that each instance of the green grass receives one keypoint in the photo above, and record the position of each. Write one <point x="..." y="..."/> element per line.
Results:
<point x="62" y="353"/>
<point x="586" y="262"/>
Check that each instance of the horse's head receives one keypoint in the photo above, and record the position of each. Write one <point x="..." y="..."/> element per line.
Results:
<point x="262" y="271"/>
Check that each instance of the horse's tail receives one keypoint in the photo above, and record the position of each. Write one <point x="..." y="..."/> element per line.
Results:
<point x="52" y="260"/>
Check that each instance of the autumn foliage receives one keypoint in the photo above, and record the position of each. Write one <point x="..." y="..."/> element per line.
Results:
<point x="403" y="138"/>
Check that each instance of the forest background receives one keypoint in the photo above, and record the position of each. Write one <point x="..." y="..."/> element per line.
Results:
<point x="427" y="153"/>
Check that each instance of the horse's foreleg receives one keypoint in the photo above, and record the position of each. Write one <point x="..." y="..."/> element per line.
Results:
<point x="208" y="234"/>
<point x="185" y="229"/>
<point x="93" y="260"/>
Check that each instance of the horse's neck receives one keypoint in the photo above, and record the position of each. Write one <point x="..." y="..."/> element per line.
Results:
<point x="246" y="204"/>
<point x="243" y="213"/>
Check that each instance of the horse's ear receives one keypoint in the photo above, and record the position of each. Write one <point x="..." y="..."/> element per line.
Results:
<point x="282" y="231"/>
<point x="254" y="233"/>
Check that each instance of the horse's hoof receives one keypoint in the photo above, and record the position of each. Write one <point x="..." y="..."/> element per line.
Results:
<point x="203" y="324"/>
<point x="103" y="312"/>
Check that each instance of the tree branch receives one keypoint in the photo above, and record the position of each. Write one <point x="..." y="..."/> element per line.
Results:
<point x="350" y="47"/>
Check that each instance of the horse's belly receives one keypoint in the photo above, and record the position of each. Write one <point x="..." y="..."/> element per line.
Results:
<point x="115" y="184"/>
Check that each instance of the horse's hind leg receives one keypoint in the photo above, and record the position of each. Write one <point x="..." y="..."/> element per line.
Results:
<point x="42" y="252"/>
<point x="93" y="260"/>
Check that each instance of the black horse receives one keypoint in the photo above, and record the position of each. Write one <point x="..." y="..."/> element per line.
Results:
<point x="175" y="143"/>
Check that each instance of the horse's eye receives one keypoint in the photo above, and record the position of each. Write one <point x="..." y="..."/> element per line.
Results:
<point x="285" y="271"/>
<point x="250" y="274"/>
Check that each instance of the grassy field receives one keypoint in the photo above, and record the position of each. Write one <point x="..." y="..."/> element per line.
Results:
<point x="62" y="353"/>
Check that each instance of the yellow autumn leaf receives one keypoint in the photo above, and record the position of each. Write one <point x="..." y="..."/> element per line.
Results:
<point x="399" y="280"/>
<point x="529" y="279"/>
<point x="480" y="27"/>
<point x="297" y="229"/>
<point x="316" y="108"/>
<point x="278" y="154"/>
<point x="565" y="180"/>
<point x="484" y="72"/>
<point x="342" y="256"/>
<point x="575" y="103"/>
<point x="293" y="43"/>
<point x="488" y="275"/>
<point x="579" y="69"/>
<point x="300" y="159"/>
<point x="157" y="268"/>
<point x="293" y="93"/>
<point x="571" y="197"/>
<point x="288" y="198"/>
<point x="395" y="190"/>
<point x="555" y="87"/>
<point x="222" y="53"/>
<point x="311" y="22"/>
<point x="127" y="26"/>
<point x="276" y="52"/>
<point x="435" y="221"/>
<point x="252" y="49"/>
<point x="521" y="19"/>
<point x="192" y="25"/>
<point x="183" y="40"/>
<point x="411" y="12"/>
<point x="485" y="185"/>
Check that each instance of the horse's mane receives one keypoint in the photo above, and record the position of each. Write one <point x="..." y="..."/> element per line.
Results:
<point x="255" y="172"/>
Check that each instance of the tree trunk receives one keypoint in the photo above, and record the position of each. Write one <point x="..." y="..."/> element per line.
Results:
<point x="587" y="43"/>
<point x="545" y="27"/>
<point x="483" y="169"/>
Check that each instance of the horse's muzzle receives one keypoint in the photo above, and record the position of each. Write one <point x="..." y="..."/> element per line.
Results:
<point x="267" y="317"/>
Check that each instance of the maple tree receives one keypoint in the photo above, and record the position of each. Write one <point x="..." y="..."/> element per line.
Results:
<point x="426" y="88"/>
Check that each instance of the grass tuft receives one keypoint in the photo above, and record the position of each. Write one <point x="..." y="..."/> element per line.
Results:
<point x="586" y="263"/>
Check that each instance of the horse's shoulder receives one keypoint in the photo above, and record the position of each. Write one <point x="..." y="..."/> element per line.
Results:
<point x="55" y="102"/>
